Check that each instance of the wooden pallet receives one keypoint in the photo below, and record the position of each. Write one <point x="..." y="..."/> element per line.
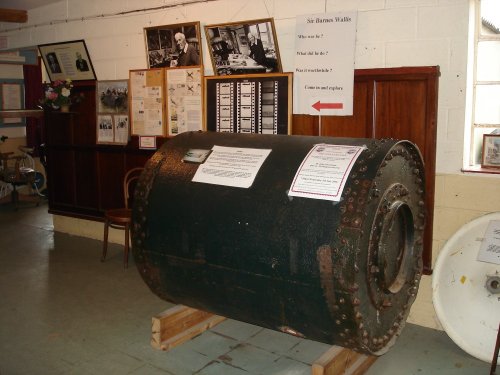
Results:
<point x="338" y="360"/>
<point x="181" y="323"/>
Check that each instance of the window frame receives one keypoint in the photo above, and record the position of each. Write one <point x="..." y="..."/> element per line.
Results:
<point x="472" y="160"/>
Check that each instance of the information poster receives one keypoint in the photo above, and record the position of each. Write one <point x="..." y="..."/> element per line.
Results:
<point x="11" y="99"/>
<point x="231" y="166"/>
<point x="184" y="100"/>
<point x="324" y="64"/>
<point x="324" y="171"/>
<point x="147" y="111"/>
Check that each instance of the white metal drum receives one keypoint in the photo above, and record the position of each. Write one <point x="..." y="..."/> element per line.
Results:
<point x="467" y="310"/>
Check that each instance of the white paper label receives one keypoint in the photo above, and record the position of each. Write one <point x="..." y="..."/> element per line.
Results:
<point x="231" y="166"/>
<point x="490" y="246"/>
<point x="324" y="171"/>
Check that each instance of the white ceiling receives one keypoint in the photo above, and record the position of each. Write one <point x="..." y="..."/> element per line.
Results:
<point x="24" y="4"/>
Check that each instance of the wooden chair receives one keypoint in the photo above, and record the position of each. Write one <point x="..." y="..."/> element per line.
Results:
<point x="120" y="218"/>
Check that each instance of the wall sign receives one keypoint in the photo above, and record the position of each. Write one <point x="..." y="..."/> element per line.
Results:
<point x="324" y="64"/>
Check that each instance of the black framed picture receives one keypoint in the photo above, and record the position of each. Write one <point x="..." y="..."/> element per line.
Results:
<point x="246" y="47"/>
<point x="67" y="60"/>
<point x="173" y="45"/>
<point x="257" y="103"/>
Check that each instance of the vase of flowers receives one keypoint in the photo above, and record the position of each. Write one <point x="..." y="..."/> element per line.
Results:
<point x="57" y="95"/>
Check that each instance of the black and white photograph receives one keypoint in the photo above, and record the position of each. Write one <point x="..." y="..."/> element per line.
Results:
<point x="112" y="96"/>
<point x="104" y="129"/>
<point x="246" y="47"/>
<point x="173" y="45"/>
<point x="67" y="60"/>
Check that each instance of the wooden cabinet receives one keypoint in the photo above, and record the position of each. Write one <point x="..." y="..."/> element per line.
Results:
<point x="84" y="178"/>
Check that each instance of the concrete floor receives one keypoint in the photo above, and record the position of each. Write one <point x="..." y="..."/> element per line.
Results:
<point x="62" y="311"/>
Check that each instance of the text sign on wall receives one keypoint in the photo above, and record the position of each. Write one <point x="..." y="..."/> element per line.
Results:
<point x="324" y="64"/>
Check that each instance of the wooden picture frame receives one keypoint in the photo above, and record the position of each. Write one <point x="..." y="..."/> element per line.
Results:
<point x="491" y="151"/>
<point x="147" y="102"/>
<point x="184" y="96"/>
<point x="256" y="103"/>
<point x="246" y="47"/>
<point x="162" y="49"/>
<point x="113" y="125"/>
<point x="67" y="60"/>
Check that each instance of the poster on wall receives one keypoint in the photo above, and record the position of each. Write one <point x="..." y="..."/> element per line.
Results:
<point x="245" y="47"/>
<point x="12" y="97"/>
<point x="324" y="64"/>
<point x="112" y="112"/>
<point x="67" y="60"/>
<point x="184" y="100"/>
<point x="259" y="103"/>
<point x="173" y="45"/>
<point x="147" y="108"/>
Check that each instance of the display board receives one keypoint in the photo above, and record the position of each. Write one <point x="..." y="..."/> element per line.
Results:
<point x="112" y="112"/>
<point x="184" y="99"/>
<point x="146" y="102"/>
<point x="260" y="103"/>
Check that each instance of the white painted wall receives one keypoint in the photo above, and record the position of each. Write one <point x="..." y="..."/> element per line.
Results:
<point x="390" y="33"/>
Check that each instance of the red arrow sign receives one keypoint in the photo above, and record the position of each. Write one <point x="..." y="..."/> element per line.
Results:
<point x="318" y="106"/>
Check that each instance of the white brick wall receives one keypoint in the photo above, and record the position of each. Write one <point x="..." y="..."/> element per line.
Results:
<point x="390" y="33"/>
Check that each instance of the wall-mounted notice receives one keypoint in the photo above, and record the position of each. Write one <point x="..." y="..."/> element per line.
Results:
<point x="490" y="246"/>
<point x="11" y="98"/>
<point x="184" y="104"/>
<point x="324" y="64"/>
<point x="231" y="166"/>
<point x="324" y="171"/>
<point x="147" y="108"/>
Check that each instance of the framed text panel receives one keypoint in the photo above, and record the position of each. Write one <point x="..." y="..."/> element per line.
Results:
<point x="67" y="60"/>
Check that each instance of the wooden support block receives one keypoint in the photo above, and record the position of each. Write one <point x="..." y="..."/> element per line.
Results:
<point x="179" y="324"/>
<point x="338" y="361"/>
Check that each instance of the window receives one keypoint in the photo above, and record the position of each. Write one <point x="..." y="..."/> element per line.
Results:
<point x="485" y="101"/>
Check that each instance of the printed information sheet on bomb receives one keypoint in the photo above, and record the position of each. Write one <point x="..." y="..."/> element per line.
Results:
<point x="324" y="171"/>
<point x="490" y="246"/>
<point x="231" y="166"/>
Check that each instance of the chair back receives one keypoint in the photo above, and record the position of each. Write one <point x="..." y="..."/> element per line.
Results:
<point x="130" y="177"/>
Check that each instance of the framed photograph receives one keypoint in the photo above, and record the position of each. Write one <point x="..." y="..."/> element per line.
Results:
<point x="257" y="103"/>
<point x="184" y="99"/>
<point x="173" y="45"/>
<point x="67" y="60"/>
<point x="491" y="151"/>
<point x="112" y="112"/>
<point x="246" y="47"/>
